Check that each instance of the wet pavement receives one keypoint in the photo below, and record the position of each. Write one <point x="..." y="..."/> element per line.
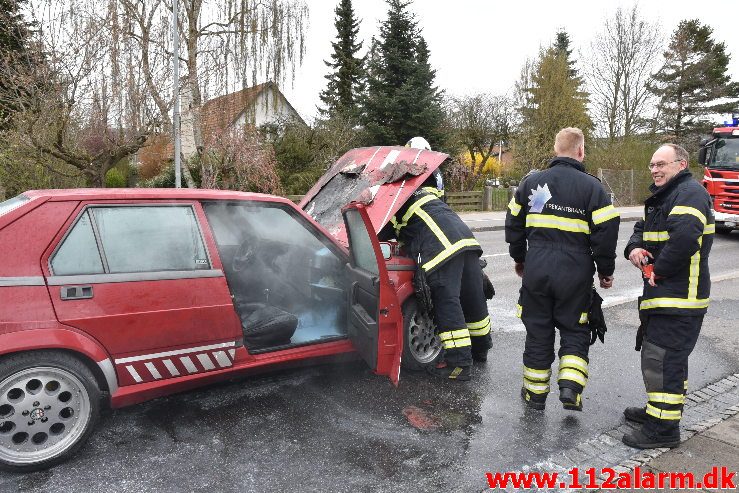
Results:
<point x="340" y="428"/>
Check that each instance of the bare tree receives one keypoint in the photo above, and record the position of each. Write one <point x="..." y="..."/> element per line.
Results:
<point x="68" y="96"/>
<point x="480" y="123"/>
<point x="228" y="45"/>
<point x="622" y="59"/>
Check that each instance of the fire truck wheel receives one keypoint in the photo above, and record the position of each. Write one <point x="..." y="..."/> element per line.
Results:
<point x="421" y="345"/>
<point x="723" y="231"/>
<point x="49" y="404"/>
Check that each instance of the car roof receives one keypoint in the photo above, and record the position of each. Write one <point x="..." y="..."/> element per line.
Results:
<point x="148" y="194"/>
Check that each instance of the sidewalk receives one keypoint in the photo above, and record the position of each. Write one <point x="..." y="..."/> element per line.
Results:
<point x="710" y="432"/>
<point x="494" y="221"/>
<point x="715" y="447"/>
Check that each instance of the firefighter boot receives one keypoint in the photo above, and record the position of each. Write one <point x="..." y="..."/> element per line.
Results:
<point x="571" y="400"/>
<point x="534" y="401"/>
<point x="480" y="356"/>
<point x="635" y="414"/>
<point x="457" y="373"/>
<point x="640" y="439"/>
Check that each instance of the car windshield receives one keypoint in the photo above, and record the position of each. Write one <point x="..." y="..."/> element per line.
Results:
<point x="12" y="204"/>
<point x="727" y="154"/>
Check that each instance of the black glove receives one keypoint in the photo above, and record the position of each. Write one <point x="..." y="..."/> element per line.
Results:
<point x="423" y="291"/>
<point x="487" y="286"/>
<point x="642" y="327"/>
<point x="596" y="320"/>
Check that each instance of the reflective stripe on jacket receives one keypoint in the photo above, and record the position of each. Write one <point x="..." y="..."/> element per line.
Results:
<point x="563" y="208"/>
<point x="431" y="230"/>
<point x="677" y="229"/>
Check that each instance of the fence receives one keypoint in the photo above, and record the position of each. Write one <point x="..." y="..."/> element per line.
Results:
<point x="490" y="199"/>
<point x="627" y="187"/>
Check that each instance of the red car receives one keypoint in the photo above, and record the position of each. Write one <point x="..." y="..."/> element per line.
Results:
<point x="110" y="297"/>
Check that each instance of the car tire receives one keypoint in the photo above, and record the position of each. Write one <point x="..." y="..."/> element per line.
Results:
<point x="723" y="231"/>
<point x="49" y="405"/>
<point x="421" y="345"/>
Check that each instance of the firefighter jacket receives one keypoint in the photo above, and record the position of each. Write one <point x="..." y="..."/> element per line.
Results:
<point x="563" y="208"/>
<point x="432" y="232"/>
<point x="677" y="230"/>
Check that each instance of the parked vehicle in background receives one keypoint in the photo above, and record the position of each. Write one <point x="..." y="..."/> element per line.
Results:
<point x="111" y="297"/>
<point x="720" y="157"/>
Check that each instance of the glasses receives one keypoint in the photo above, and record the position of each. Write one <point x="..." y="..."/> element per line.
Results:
<point x="653" y="166"/>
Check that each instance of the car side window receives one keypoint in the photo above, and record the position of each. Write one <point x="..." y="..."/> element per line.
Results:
<point x="150" y="238"/>
<point x="360" y="242"/>
<point x="79" y="253"/>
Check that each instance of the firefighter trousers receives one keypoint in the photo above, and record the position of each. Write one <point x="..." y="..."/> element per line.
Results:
<point x="669" y="340"/>
<point x="555" y="293"/>
<point x="460" y="308"/>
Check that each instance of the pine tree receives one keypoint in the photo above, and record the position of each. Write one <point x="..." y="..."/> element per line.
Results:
<point x="555" y="100"/>
<point x="692" y="80"/>
<point x="15" y="37"/>
<point x="562" y="45"/>
<point x="345" y="81"/>
<point x="402" y="101"/>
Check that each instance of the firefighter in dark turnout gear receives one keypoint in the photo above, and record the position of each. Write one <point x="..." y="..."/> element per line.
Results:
<point x="448" y="254"/>
<point x="675" y="236"/>
<point x="561" y="226"/>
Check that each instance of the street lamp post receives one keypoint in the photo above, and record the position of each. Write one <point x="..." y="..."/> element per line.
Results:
<point x="176" y="88"/>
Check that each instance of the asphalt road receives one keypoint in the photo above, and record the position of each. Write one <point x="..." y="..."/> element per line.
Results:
<point x="341" y="428"/>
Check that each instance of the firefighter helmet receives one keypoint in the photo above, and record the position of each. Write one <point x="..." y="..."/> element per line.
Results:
<point x="418" y="143"/>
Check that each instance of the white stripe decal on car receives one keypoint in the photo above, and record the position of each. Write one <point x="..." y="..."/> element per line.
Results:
<point x="206" y="361"/>
<point x="171" y="368"/>
<point x="153" y="370"/>
<point x="134" y="373"/>
<point x="221" y="358"/>
<point x="176" y="352"/>
<point x="189" y="365"/>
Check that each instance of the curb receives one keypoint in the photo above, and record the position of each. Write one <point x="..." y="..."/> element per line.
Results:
<point x="706" y="408"/>
<point x="479" y="229"/>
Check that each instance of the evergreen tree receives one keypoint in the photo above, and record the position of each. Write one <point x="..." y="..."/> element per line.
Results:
<point x="15" y="37"/>
<point x="562" y="45"/>
<point x="345" y="82"/>
<point x="692" y="80"/>
<point x="402" y="101"/>
<point x="554" y="101"/>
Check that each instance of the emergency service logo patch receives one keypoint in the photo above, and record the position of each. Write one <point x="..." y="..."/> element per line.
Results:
<point x="539" y="198"/>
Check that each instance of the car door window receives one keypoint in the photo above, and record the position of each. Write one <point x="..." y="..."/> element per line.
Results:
<point x="361" y="244"/>
<point x="78" y="253"/>
<point x="149" y="239"/>
<point x="277" y="263"/>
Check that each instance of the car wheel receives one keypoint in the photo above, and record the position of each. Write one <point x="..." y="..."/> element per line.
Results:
<point x="723" y="231"/>
<point x="49" y="404"/>
<point x="421" y="345"/>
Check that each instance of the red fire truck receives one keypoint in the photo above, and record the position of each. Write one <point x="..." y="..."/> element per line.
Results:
<point x="720" y="157"/>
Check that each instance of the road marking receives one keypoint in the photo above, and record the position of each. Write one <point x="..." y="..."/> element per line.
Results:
<point x="494" y="255"/>
<point x="620" y="300"/>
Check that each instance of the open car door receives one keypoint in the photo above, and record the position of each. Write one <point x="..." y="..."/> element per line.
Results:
<point x="375" y="320"/>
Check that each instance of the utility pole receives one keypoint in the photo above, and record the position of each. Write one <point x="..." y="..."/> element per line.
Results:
<point x="176" y="88"/>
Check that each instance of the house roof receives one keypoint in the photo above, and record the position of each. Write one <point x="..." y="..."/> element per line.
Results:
<point x="220" y="113"/>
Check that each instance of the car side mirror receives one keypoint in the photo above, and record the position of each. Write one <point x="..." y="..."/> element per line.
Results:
<point x="702" y="155"/>
<point x="387" y="251"/>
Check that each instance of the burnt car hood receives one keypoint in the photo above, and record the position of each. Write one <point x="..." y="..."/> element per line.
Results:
<point x="381" y="178"/>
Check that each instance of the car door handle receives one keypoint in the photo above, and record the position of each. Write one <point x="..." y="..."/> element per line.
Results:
<point x="76" y="292"/>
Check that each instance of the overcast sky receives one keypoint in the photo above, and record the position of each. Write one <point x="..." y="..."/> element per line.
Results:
<point x="480" y="45"/>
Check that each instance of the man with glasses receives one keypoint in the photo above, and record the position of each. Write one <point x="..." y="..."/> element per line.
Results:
<point x="673" y="242"/>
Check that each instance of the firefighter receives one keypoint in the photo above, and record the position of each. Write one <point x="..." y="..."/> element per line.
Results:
<point x="447" y="255"/>
<point x="560" y="227"/>
<point x="674" y="239"/>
